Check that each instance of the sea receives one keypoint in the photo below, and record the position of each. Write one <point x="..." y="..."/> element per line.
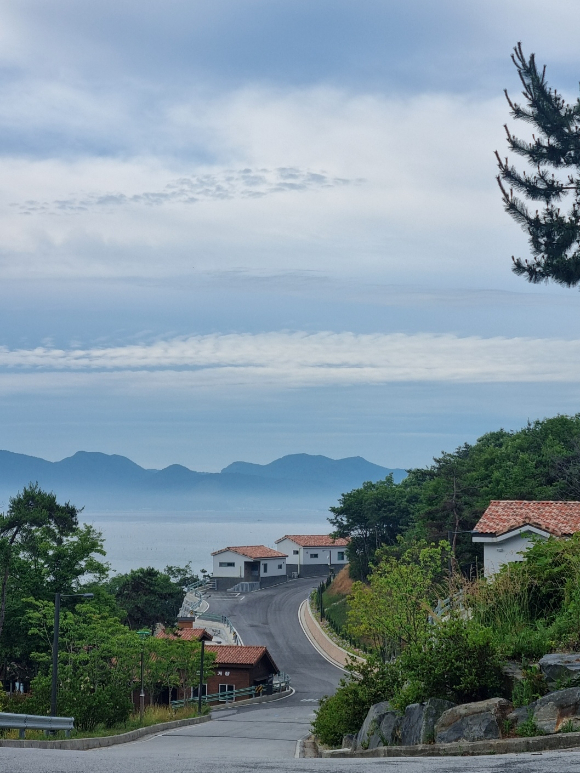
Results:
<point x="160" y="539"/>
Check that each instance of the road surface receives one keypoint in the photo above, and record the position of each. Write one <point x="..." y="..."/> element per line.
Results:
<point x="264" y="737"/>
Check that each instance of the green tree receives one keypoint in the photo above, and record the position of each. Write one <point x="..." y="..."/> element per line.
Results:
<point x="392" y="610"/>
<point x="98" y="664"/>
<point x="147" y="597"/>
<point x="370" y="516"/>
<point x="554" y="155"/>
<point x="43" y="550"/>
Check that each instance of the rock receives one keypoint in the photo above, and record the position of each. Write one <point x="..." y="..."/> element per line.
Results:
<point x="369" y="736"/>
<point x="348" y="741"/>
<point x="560" y="667"/>
<point x="390" y="729"/>
<point x="477" y="721"/>
<point x="557" y="709"/>
<point x="522" y="714"/>
<point x="418" y="724"/>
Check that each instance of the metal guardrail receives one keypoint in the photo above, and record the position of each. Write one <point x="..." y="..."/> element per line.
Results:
<point x="220" y="619"/>
<point x="230" y="696"/>
<point x="244" y="587"/>
<point x="24" y="722"/>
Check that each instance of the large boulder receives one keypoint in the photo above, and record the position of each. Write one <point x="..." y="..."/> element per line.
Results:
<point x="557" y="709"/>
<point x="560" y="667"/>
<point x="379" y="727"/>
<point x="477" y="721"/>
<point x="418" y="724"/>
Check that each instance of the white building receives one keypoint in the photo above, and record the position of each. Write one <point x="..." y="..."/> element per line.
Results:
<point x="313" y="554"/>
<point x="507" y="527"/>
<point x="248" y="563"/>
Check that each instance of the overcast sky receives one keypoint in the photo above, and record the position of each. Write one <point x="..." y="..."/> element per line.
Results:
<point x="245" y="228"/>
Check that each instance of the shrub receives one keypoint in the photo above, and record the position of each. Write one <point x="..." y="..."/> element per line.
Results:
<point x="530" y="688"/>
<point x="345" y="711"/>
<point x="458" y="662"/>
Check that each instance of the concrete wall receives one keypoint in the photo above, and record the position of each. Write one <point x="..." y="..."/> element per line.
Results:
<point x="274" y="579"/>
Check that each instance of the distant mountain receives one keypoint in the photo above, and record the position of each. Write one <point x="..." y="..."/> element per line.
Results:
<point x="112" y="482"/>
<point x="316" y="468"/>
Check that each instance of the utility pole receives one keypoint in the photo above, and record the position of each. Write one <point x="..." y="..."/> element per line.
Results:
<point x="200" y="689"/>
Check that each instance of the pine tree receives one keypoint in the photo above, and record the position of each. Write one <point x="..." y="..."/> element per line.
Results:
<point x="554" y="154"/>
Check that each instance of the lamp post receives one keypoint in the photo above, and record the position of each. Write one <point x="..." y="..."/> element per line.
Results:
<point x="57" y="598"/>
<point x="200" y="689"/>
<point x="143" y="635"/>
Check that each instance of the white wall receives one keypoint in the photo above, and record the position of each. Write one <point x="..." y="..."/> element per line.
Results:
<point x="228" y="571"/>
<point x="276" y="567"/>
<point x="497" y="553"/>
<point x="304" y="554"/>
<point x="288" y="547"/>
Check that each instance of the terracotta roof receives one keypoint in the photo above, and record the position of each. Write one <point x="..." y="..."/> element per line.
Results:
<point x="188" y="634"/>
<point x="316" y="540"/>
<point x="228" y="655"/>
<point x="253" y="551"/>
<point x="557" y="518"/>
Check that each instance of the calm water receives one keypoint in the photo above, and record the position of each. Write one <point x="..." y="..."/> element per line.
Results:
<point x="158" y="539"/>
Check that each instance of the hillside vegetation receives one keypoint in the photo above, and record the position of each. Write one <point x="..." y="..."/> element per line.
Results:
<point x="446" y="499"/>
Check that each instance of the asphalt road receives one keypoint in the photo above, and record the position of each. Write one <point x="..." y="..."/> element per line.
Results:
<point x="270" y="617"/>
<point x="264" y="736"/>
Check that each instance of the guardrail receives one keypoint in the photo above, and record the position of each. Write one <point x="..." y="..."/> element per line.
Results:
<point x="24" y="722"/>
<point x="244" y="587"/>
<point x="220" y="619"/>
<point x="230" y="696"/>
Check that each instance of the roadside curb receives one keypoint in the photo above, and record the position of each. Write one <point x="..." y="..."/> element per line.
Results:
<point x="277" y="696"/>
<point x="474" y="748"/>
<point x="321" y="642"/>
<point x="84" y="744"/>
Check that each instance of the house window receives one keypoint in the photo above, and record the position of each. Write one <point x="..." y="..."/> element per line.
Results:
<point x="264" y="568"/>
<point x="279" y="566"/>
<point x="226" y="692"/>
<point x="295" y="552"/>
<point x="227" y="563"/>
<point x="340" y="555"/>
<point x="314" y="555"/>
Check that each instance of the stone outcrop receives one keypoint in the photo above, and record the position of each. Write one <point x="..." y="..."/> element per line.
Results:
<point x="521" y="714"/>
<point x="560" y="667"/>
<point x="348" y="741"/>
<point x="379" y="728"/>
<point x="479" y="721"/>
<point x="418" y="723"/>
<point x="557" y="709"/>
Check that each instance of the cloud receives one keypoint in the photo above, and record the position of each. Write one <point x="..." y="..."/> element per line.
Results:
<point x="220" y="185"/>
<point x="299" y="359"/>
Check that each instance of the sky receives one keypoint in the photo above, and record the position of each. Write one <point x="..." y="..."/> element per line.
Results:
<point x="238" y="230"/>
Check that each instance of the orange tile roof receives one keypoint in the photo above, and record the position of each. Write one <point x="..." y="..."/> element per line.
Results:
<point x="557" y="518"/>
<point x="316" y="540"/>
<point x="188" y="634"/>
<point x="229" y="655"/>
<point x="253" y="551"/>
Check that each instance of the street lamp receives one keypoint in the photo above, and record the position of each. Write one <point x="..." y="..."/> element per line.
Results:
<point x="143" y="635"/>
<point x="57" y="598"/>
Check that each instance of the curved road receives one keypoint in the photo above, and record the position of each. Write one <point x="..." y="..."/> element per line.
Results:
<point x="241" y="740"/>
<point x="270" y="617"/>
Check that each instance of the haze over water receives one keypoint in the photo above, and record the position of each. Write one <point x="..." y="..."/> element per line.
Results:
<point x="135" y="539"/>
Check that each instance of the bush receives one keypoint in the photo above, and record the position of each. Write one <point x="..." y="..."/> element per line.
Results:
<point x="345" y="711"/>
<point x="107" y="705"/>
<point x="459" y="662"/>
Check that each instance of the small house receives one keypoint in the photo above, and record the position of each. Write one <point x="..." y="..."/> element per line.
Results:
<point x="313" y="554"/>
<point x="507" y="527"/>
<point x="236" y="668"/>
<point x="248" y="563"/>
